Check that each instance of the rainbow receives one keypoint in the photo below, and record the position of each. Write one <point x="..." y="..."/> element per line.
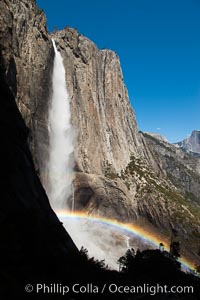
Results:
<point x="133" y="229"/>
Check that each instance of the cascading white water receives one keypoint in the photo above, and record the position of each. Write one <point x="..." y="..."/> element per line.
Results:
<point x="127" y="241"/>
<point x="60" y="165"/>
<point x="73" y="199"/>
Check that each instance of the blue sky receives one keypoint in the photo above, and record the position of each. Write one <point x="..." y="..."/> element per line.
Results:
<point x="158" y="42"/>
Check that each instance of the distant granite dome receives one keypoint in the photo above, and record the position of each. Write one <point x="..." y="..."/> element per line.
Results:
<point x="192" y="143"/>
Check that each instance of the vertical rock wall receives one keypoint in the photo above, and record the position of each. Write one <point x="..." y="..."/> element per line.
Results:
<point x="27" y="59"/>
<point x="105" y="123"/>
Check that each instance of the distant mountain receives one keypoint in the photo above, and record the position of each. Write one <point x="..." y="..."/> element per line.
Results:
<point x="158" y="136"/>
<point x="191" y="143"/>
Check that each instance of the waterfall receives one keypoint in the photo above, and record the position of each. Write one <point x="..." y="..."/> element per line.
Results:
<point x="73" y="199"/>
<point x="127" y="238"/>
<point x="60" y="164"/>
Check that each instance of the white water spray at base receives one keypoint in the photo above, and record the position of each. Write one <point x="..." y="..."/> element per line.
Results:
<point x="60" y="165"/>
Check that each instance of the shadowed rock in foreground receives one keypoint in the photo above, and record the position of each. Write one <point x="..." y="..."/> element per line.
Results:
<point x="32" y="239"/>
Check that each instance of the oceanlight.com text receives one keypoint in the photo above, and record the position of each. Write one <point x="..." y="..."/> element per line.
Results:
<point x="111" y="288"/>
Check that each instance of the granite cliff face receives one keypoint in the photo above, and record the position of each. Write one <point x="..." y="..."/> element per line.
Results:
<point x="182" y="171"/>
<point x="106" y="127"/>
<point x="27" y="59"/>
<point x="182" y="168"/>
<point x="120" y="172"/>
